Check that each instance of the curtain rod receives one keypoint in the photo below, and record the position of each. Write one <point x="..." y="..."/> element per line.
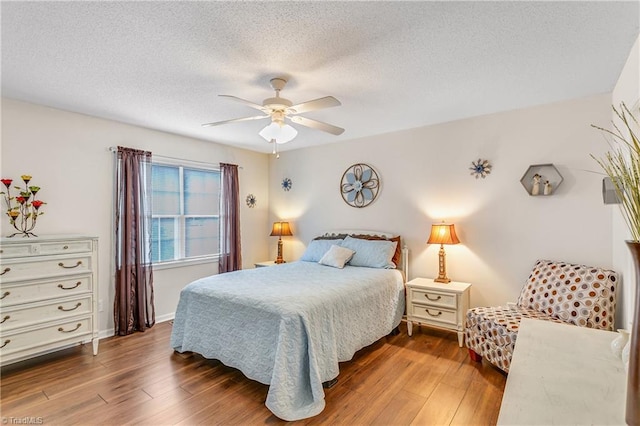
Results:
<point x="164" y="157"/>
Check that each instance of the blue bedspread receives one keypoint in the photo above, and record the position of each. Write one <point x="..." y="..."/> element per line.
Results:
<point x="288" y="325"/>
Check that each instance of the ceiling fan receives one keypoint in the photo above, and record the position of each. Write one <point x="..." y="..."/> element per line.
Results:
<point x="281" y="109"/>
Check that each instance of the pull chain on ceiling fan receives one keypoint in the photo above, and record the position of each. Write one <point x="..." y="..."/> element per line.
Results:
<point x="281" y="109"/>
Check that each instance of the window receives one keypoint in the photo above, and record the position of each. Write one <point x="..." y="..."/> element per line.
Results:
<point x="185" y="212"/>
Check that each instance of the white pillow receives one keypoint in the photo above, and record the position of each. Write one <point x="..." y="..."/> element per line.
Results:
<point x="371" y="253"/>
<point x="317" y="248"/>
<point x="336" y="256"/>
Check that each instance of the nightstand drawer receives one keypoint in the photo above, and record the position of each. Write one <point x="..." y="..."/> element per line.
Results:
<point x="434" y="298"/>
<point x="434" y="315"/>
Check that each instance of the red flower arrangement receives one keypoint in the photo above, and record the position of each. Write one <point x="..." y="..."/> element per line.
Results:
<point x="23" y="215"/>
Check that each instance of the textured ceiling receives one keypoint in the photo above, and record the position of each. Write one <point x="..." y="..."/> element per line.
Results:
<point x="393" y="65"/>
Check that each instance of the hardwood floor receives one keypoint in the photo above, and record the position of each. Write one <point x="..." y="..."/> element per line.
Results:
<point x="421" y="380"/>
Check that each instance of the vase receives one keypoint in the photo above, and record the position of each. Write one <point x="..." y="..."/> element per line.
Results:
<point x="633" y="375"/>
<point x="618" y="344"/>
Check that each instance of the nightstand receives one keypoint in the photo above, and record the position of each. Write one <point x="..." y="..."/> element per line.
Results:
<point x="266" y="263"/>
<point x="437" y="304"/>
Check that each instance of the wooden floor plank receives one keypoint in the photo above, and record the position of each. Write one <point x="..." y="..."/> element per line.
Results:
<point x="441" y="406"/>
<point x="401" y="410"/>
<point x="399" y="380"/>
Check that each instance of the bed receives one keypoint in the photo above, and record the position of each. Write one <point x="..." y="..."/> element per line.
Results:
<point x="288" y="326"/>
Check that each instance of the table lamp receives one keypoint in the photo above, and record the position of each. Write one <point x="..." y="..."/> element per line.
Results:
<point x="442" y="234"/>
<point x="280" y="229"/>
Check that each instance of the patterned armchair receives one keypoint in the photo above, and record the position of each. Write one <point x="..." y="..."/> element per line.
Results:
<point x="555" y="291"/>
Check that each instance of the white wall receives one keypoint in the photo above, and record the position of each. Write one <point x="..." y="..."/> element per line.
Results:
<point x="67" y="155"/>
<point x="425" y="179"/>
<point x="627" y="90"/>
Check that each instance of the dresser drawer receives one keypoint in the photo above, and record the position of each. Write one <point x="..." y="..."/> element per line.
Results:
<point x="73" y="330"/>
<point x="434" y="298"/>
<point x="45" y="248"/>
<point x="37" y="313"/>
<point x="83" y="246"/>
<point x="42" y="267"/>
<point x="25" y="292"/>
<point x="433" y="315"/>
<point x="15" y="250"/>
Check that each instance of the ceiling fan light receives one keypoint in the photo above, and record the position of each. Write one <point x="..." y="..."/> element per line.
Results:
<point x="281" y="134"/>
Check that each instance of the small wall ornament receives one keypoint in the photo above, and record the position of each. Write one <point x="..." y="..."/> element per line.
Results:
<point x="480" y="168"/>
<point x="251" y="201"/>
<point x="359" y="185"/>
<point x="286" y="184"/>
<point x="22" y="215"/>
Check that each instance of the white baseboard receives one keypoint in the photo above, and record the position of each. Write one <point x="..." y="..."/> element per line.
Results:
<point x="103" y="334"/>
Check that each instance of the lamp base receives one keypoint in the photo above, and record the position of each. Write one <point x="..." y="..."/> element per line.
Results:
<point x="442" y="267"/>
<point x="279" y="258"/>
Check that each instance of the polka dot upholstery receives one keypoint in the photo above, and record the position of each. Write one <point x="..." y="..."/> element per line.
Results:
<point x="555" y="291"/>
<point x="576" y="294"/>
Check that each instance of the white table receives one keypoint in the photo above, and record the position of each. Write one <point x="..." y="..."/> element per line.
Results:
<point x="563" y="374"/>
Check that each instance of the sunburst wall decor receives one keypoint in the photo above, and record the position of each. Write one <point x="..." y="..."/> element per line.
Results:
<point x="251" y="201"/>
<point x="480" y="168"/>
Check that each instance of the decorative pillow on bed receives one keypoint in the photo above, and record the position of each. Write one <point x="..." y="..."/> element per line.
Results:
<point x="397" y="256"/>
<point x="336" y="256"/>
<point x="371" y="253"/>
<point x="317" y="248"/>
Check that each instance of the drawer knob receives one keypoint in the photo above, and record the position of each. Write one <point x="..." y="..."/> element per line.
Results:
<point x="5" y="271"/>
<point x="62" y="265"/>
<point x="5" y="318"/>
<point x="62" y="330"/>
<point x="69" y="288"/>
<point x="433" y="315"/>
<point x="6" y="342"/>
<point x="434" y="299"/>
<point x="65" y="247"/>
<point x="70" y="309"/>
<point x="5" y="294"/>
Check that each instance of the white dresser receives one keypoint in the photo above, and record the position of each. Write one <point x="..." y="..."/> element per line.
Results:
<point x="48" y="295"/>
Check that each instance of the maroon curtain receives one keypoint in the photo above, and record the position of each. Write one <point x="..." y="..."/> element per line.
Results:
<point x="133" y="305"/>
<point x="230" y="250"/>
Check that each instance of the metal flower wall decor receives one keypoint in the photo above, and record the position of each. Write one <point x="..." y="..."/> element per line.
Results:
<point x="359" y="185"/>
<point x="480" y="168"/>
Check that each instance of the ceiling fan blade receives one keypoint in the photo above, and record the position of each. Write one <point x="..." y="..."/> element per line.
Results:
<point x="246" y="102"/>
<point x="326" y="102"/>
<point x="315" y="124"/>
<point x="236" y="120"/>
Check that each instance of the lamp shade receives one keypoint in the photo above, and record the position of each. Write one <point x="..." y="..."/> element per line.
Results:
<point x="443" y="234"/>
<point x="281" y="134"/>
<point x="281" y="229"/>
